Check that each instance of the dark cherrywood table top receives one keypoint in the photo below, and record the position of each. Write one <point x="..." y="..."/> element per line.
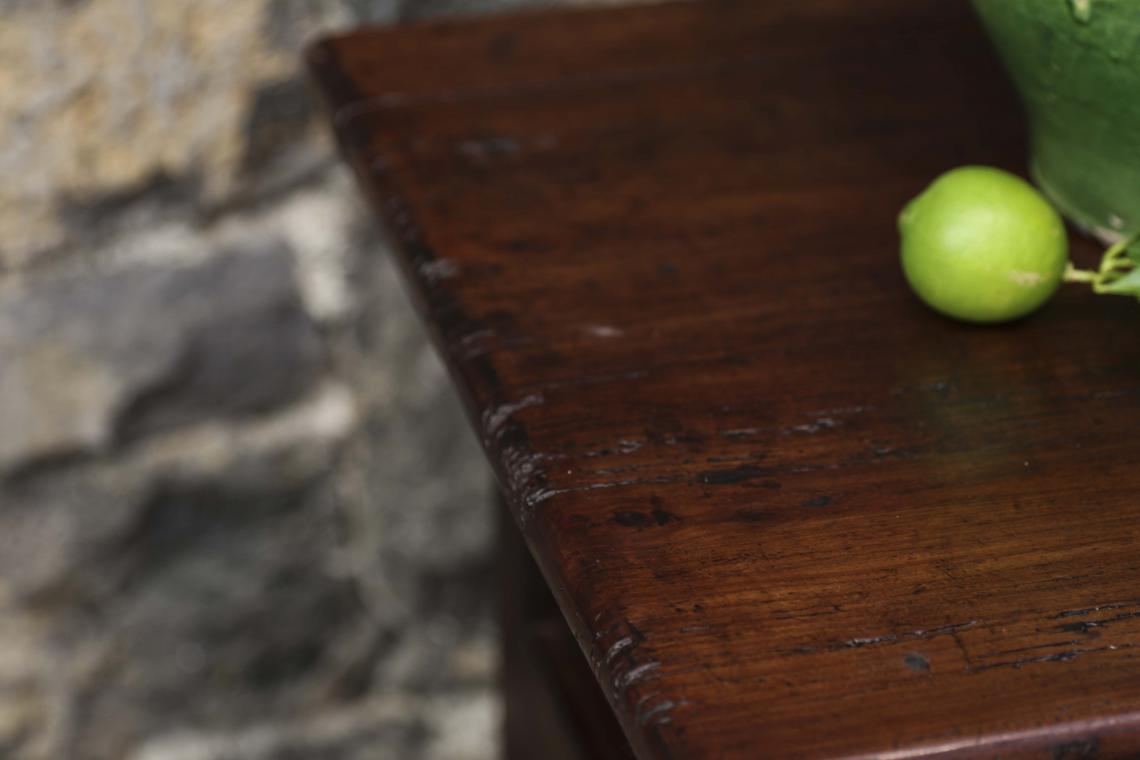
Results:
<point x="787" y="510"/>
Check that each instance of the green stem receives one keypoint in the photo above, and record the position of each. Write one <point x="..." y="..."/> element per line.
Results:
<point x="1072" y="274"/>
<point x="1120" y="248"/>
<point x="1114" y="264"/>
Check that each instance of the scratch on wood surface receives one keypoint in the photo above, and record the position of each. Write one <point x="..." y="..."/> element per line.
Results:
<point x="617" y="648"/>
<point x="617" y="657"/>
<point x="603" y="632"/>
<point x="1084" y="626"/>
<point x="435" y="271"/>
<point x="495" y="417"/>
<point x="548" y="493"/>
<point x="642" y="705"/>
<point x="1064" y="656"/>
<point x="659" y="713"/>
<point x="1036" y="647"/>
<point x="1089" y="610"/>
<point x="738" y="433"/>
<point x="603" y="331"/>
<point x="623" y="446"/>
<point x="523" y="477"/>
<point x="894" y="638"/>
<point x="532" y="499"/>
<point x="522" y="469"/>
<point x="822" y="423"/>
<point x="962" y="648"/>
<point x="820" y="420"/>
<point x="614" y="470"/>
<point x="643" y="672"/>
<point x="844" y="411"/>
<point x="483" y="149"/>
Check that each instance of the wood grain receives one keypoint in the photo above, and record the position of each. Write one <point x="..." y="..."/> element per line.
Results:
<point x="786" y="510"/>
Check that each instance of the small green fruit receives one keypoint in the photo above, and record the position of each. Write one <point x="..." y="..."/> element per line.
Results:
<point x="982" y="245"/>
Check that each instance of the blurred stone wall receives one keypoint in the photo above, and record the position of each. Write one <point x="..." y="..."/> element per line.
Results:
<point x="241" y="513"/>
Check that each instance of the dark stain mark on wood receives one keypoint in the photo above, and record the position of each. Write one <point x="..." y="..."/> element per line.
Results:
<point x="1083" y="627"/>
<point x="522" y="245"/>
<point x="917" y="662"/>
<point x="634" y="631"/>
<point x="740" y="434"/>
<point x="755" y="457"/>
<point x="1084" y="748"/>
<point x="818" y="502"/>
<point x="502" y="46"/>
<point x="639" y="520"/>
<point x="632" y="519"/>
<point x="735" y="475"/>
<point x="754" y="516"/>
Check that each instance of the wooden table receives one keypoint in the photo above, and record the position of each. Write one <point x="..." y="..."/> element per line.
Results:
<point x="785" y="509"/>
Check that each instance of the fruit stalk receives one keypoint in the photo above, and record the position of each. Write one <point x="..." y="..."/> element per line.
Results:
<point x="1118" y="273"/>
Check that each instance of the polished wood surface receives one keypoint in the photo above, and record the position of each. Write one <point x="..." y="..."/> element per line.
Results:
<point x="786" y="510"/>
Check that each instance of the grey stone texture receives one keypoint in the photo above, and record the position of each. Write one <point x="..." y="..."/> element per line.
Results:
<point x="242" y="514"/>
<point x="239" y="516"/>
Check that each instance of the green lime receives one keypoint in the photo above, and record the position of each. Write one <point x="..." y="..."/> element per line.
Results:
<point x="982" y="245"/>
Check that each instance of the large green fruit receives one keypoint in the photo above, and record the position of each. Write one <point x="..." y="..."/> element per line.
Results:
<point x="1076" y="64"/>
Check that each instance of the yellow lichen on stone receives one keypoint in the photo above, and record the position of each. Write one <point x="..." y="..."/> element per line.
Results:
<point x="109" y="93"/>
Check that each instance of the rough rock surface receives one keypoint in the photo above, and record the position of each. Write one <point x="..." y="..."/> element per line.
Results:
<point x="241" y="514"/>
<point x="92" y="359"/>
